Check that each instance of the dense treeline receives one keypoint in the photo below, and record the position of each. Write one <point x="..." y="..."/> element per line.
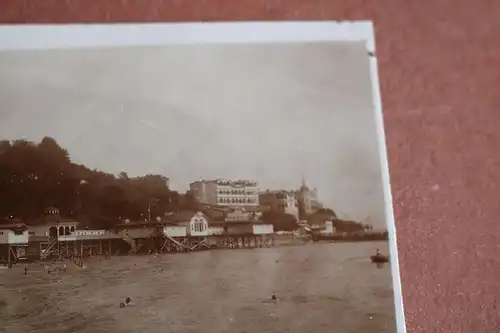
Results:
<point x="36" y="176"/>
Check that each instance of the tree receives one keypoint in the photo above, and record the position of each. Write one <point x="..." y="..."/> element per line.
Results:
<point x="123" y="176"/>
<point x="53" y="153"/>
<point x="280" y="221"/>
<point x="4" y="146"/>
<point x="324" y="213"/>
<point x="188" y="201"/>
<point x="36" y="176"/>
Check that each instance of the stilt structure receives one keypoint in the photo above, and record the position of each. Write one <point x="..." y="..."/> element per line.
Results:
<point x="177" y="232"/>
<point x="13" y="243"/>
<point x="175" y="244"/>
<point x="243" y="241"/>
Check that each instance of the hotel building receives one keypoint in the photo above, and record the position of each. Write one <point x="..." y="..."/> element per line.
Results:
<point x="220" y="192"/>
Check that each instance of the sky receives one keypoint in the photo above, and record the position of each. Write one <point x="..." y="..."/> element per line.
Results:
<point x="275" y="113"/>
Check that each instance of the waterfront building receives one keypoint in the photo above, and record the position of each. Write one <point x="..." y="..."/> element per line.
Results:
<point x="51" y="224"/>
<point x="14" y="239"/>
<point x="254" y="227"/>
<point x="240" y="214"/>
<point x="229" y="193"/>
<point x="216" y="228"/>
<point x="242" y="222"/>
<point x="195" y="224"/>
<point x="279" y="201"/>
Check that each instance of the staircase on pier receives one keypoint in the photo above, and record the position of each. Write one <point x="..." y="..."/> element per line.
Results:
<point x="173" y="245"/>
<point x="49" y="248"/>
<point x="133" y="244"/>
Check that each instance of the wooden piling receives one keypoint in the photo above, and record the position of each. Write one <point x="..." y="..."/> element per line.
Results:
<point x="9" y="264"/>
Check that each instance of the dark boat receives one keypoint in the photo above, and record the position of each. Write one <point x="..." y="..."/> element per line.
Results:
<point x="379" y="259"/>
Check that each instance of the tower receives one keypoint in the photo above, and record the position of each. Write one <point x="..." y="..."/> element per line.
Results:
<point x="304" y="199"/>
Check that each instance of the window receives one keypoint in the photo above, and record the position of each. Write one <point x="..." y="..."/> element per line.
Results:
<point x="1" y="232"/>
<point x="198" y="226"/>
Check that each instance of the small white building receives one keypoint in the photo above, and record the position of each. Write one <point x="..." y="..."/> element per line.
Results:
<point x="174" y="230"/>
<point x="262" y="228"/>
<point x="194" y="223"/>
<point x="13" y="242"/>
<point x="14" y="234"/>
<point x="216" y="228"/>
<point x="328" y="228"/>
<point x="52" y="224"/>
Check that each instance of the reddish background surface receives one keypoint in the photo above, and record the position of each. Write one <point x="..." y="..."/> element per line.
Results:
<point x="440" y="78"/>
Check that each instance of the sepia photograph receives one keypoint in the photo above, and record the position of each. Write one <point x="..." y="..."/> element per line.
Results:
<point x="194" y="178"/>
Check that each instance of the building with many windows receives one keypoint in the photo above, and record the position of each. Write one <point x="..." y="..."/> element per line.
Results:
<point x="220" y="192"/>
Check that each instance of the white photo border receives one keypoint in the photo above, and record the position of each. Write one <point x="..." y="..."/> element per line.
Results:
<point x="44" y="37"/>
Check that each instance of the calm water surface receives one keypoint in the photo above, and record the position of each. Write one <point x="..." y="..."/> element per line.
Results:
<point x="320" y="287"/>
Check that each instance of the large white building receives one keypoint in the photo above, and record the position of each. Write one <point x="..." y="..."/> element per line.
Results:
<point x="220" y="192"/>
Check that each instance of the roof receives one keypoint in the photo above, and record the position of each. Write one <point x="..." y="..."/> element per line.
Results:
<point x="245" y="222"/>
<point x="136" y="224"/>
<point x="215" y="213"/>
<point x="51" y="219"/>
<point x="181" y="216"/>
<point x="273" y="192"/>
<point x="13" y="226"/>
<point x="212" y="223"/>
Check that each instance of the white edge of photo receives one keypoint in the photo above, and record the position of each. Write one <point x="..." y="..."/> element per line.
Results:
<point x="46" y="37"/>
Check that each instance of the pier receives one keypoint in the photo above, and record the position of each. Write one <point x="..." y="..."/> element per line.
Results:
<point x="57" y="237"/>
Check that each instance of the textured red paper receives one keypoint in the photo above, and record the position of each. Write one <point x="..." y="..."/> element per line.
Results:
<point x="440" y="79"/>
